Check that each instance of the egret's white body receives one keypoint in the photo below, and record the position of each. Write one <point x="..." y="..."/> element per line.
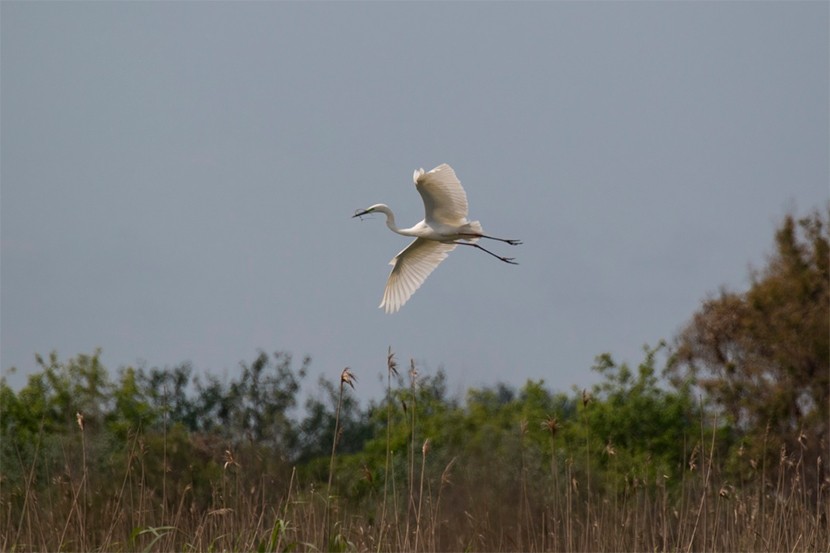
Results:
<point x="445" y="223"/>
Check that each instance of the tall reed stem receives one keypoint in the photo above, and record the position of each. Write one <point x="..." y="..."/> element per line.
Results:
<point x="346" y="377"/>
<point x="391" y="367"/>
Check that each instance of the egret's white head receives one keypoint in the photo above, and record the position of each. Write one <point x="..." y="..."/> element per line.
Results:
<point x="368" y="210"/>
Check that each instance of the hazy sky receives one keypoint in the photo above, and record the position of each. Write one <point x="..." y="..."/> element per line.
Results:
<point x="178" y="178"/>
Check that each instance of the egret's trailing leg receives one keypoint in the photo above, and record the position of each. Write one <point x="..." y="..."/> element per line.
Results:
<point x="505" y="259"/>
<point x="509" y="241"/>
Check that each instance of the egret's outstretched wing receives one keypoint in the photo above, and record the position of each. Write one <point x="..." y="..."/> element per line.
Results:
<point x="444" y="199"/>
<point x="410" y="269"/>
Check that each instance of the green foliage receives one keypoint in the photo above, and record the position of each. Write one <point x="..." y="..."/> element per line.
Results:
<point x="131" y="406"/>
<point x="53" y="396"/>
<point x="631" y="426"/>
<point x="163" y="450"/>
<point x="316" y="430"/>
<point x="71" y="430"/>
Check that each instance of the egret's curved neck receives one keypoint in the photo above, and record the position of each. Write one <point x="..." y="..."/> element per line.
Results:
<point x="390" y="217"/>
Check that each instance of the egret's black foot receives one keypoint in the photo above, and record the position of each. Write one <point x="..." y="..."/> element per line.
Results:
<point x="513" y="242"/>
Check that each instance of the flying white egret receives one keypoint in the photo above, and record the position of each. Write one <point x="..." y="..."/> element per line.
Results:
<point x="445" y="223"/>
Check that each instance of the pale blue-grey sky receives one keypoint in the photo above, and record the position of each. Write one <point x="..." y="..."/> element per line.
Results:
<point x="178" y="178"/>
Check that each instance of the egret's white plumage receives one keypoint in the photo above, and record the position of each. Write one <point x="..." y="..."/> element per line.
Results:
<point x="445" y="222"/>
<point x="410" y="268"/>
<point x="445" y="202"/>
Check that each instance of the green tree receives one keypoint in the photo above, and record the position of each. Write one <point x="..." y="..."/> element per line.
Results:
<point x="170" y="392"/>
<point x="316" y="429"/>
<point x="254" y="406"/>
<point x="632" y="425"/>
<point x="263" y="397"/>
<point x="131" y="408"/>
<point x="52" y="397"/>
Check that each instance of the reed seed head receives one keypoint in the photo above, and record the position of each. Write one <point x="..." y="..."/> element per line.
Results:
<point x="693" y="458"/>
<point x="445" y="476"/>
<point x="551" y="424"/>
<point x="229" y="460"/>
<point x="391" y="364"/>
<point x="367" y="474"/>
<point x="347" y="377"/>
<point x="413" y="372"/>
<point x="586" y="398"/>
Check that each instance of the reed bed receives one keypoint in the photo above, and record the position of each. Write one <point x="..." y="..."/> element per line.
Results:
<point x="427" y="496"/>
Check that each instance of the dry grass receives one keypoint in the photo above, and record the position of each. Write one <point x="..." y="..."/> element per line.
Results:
<point x="532" y="501"/>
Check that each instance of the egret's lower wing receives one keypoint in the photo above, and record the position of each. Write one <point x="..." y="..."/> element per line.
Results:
<point x="410" y="268"/>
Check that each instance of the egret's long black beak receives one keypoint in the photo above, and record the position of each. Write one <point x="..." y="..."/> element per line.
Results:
<point x="360" y="212"/>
